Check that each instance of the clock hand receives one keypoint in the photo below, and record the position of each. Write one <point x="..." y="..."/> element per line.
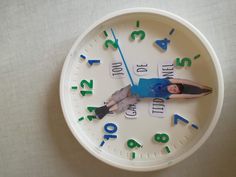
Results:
<point x="121" y="54"/>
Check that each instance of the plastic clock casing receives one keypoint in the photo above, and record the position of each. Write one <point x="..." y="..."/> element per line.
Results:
<point x="84" y="131"/>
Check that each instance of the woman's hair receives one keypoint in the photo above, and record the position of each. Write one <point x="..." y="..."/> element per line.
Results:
<point x="181" y="88"/>
<point x="191" y="89"/>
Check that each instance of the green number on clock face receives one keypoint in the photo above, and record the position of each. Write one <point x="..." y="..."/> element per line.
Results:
<point x="89" y="85"/>
<point x="162" y="138"/>
<point x="183" y="62"/>
<point x="131" y="143"/>
<point x="140" y="34"/>
<point x="84" y="83"/>
<point x="111" y="43"/>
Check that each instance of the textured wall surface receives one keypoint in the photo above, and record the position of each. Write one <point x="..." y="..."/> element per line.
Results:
<point x="35" y="37"/>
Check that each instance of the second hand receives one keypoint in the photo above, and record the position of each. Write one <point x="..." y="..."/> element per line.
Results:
<point x="121" y="54"/>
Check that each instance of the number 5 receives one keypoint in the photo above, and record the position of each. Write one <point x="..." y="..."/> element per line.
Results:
<point x="183" y="62"/>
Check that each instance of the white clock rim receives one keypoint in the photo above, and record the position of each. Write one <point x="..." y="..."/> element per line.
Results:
<point x="215" y="61"/>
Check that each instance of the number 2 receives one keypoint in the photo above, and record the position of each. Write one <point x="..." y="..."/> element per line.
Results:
<point x="112" y="43"/>
<point x="89" y="84"/>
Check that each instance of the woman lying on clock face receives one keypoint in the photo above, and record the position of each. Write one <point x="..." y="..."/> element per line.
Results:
<point x="152" y="88"/>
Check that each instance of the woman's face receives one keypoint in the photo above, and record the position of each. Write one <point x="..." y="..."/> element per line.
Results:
<point x="173" y="88"/>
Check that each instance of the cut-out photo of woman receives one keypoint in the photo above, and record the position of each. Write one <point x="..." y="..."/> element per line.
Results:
<point x="152" y="88"/>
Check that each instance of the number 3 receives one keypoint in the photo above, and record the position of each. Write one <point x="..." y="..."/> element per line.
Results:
<point x="140" y="33"/>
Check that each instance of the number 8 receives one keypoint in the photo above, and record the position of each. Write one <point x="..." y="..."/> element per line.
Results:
<point x="162" y="138"/>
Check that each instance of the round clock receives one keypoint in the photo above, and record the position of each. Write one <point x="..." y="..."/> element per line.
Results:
<point x="118" y="50"/>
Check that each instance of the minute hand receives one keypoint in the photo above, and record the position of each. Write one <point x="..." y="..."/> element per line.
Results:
<point x="121" y="54"/>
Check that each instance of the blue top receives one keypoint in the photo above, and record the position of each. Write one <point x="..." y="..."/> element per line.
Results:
<point x="151" y="88"/>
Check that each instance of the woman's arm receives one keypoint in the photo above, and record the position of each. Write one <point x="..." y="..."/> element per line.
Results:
<point x="188" y="82"/>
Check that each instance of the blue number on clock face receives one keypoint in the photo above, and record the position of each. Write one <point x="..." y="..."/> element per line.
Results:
<point x="110" y="130"/>
<point x="177" y="118"/>
<point x="162" y="43"/>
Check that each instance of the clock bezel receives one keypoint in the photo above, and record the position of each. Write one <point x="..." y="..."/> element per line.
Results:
<point x="206" y="44"/>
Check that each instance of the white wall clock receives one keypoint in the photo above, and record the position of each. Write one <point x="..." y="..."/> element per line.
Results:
<point x="154" y="133"/>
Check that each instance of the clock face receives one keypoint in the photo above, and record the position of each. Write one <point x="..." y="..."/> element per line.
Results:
<point x="154" y="133"/>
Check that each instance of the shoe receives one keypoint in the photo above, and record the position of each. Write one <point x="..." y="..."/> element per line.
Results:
<point x="101" y="111"/>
